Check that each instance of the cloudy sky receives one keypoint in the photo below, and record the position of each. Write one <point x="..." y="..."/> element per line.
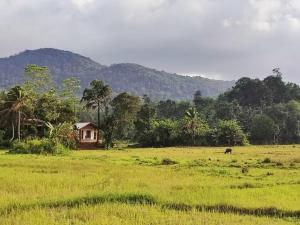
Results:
<point x="223" y="39"/>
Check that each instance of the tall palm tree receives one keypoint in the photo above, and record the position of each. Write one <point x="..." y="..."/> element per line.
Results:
<point x="11" y="107"/>
<point x="96" y="97"/>
<point x="192" y="122"/>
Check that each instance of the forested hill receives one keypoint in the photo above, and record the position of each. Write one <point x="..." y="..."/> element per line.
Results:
<point x="132" y="78"/>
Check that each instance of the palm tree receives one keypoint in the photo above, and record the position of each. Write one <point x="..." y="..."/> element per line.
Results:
<point x="11" y="107"/>
<point x="192" y="122"/>
<point x="96" y="97"/>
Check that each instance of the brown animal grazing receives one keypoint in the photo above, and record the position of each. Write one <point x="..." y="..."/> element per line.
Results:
<point x="228" y="151"/>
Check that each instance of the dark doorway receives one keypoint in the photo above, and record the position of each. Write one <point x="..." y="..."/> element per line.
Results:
<point x="88" y="134"/>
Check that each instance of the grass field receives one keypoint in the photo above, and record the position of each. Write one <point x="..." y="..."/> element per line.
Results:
<point x="254" y="185"/>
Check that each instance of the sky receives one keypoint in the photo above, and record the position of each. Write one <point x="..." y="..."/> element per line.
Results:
<point x="220" y="39"/>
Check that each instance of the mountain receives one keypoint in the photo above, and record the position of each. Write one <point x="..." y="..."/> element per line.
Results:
<point x="133" y="78"/>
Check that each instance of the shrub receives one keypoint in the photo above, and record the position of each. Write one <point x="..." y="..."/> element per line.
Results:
<point x="245" y="186"/>
<point x="167" y="161"/>
<point x="161" y="133"/>
<point x="164" y="132"/>
<point x="193" y="130"/>
<point x="267" y="160"/>
<point x="64" y="134"/>
<point x="43" y="146"/>
<point x="60" y="149"/>
<point x="38" y="146"/>
<point x="229" y="133"/>
<point x="245" y="170"/>
<point x="20" y="148"/>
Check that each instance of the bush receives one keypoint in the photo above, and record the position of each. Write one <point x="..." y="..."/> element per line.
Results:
<point x="43" y="146"/>
<point x="267" y="160"/>
<point x="167" y="161"/>
<point x="60" y="149"/>
<point x="64" y="134"/>
<point x="245" y="170"/>
<point x="164" y="132"/>
<point x="160" y="133"/>
<point x="245" y="186"/>
<point x="229" y="133"/>
<point x="38" y="146"/>
<point x="193" y="130"/>
<point x="20" y="148"/>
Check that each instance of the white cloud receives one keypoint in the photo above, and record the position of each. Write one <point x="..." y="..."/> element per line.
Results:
<point x="230" y="22"/>
<point x="293" y="22"/>
<point x="265" y="14"/>
<point x="294" y="5"/>
<point x="82" y="3"/>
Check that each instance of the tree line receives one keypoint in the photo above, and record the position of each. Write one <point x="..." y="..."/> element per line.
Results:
<point x="254" y="111"/>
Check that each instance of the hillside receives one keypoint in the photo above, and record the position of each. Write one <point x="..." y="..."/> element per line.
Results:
<point x="133" y="78"/>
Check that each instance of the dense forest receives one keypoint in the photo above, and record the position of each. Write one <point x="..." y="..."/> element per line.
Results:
<point x="254" y="111"/>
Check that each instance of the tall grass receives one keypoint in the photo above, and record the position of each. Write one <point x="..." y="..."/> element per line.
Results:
<point x="202" y="182"/>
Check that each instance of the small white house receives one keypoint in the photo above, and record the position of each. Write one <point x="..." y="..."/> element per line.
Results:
<point x="87" y="133"/>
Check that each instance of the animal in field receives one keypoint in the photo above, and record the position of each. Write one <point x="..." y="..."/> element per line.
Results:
<point x="228" y="151"/>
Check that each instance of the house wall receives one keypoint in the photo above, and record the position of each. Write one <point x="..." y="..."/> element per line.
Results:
<point x="83" y="133"/>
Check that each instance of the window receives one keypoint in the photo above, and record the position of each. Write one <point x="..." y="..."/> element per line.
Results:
<point x="95" y="135"/>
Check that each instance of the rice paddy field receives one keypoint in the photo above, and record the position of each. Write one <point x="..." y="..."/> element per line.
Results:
<point x="174" y="186"/>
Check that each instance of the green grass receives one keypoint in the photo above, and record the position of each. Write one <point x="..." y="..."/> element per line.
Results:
<point x="153" y="186"/>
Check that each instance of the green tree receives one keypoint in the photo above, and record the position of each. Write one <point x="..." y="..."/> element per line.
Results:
<point x="170" y="109"/>
<point x="144" y="119"/>
<point x="275" y="86"/>
<point x="70" y="91"/>
<point x="13" y="108"/>
<point x="292" y="132"/>
<point x="38" y="79"/>
<point x="287" y="118"/>
<point x="167" y="109"/>
<point x="249" y="92"/>
<point x="198" y="100"/>
<point x="164" y="133"/>
<point x="292" y="92"/>
<point x="263" y="130"/>
<point x="193" y="127"/>
<point x="229" y="133"/>
<point x="125" y="108"/>
<point x="97" y="97"/>
<point x="47" y="107"/>
<point x="63" y="133"/>
<point x="109" y="126"/>
<point x="226" y="110"/>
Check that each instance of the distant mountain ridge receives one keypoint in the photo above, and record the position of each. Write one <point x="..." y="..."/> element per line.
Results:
<point x="132" y="78"/>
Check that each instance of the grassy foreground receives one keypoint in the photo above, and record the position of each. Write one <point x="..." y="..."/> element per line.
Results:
<point x="254" y="185"/>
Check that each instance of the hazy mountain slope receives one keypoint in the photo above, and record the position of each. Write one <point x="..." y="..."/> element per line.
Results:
<point x="159" y="84"/>
<point x="62" y="64"/>
<point x="132" y="78"/>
